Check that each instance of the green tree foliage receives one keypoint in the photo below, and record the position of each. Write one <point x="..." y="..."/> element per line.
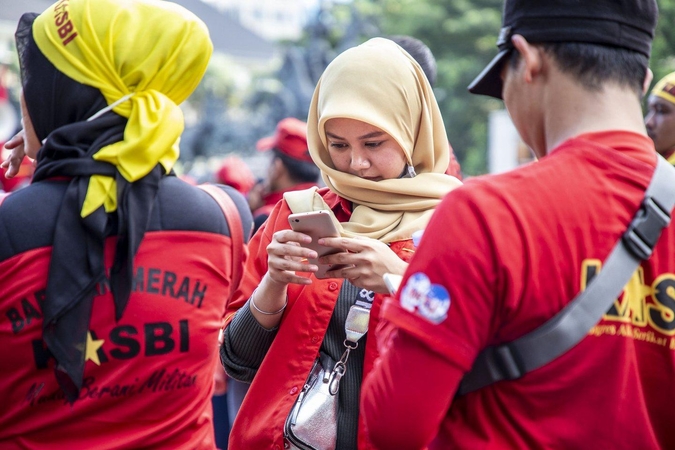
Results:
<point x="663" y="50"/>
<point x="462" y="35"/>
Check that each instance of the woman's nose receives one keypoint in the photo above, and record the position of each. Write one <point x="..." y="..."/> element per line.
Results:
<point x="359" y="160"/>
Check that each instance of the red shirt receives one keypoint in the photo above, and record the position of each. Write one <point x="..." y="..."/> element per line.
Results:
<point x="508" y="252"/>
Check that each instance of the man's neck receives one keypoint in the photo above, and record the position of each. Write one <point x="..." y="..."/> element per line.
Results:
<point x="579" y="111"/>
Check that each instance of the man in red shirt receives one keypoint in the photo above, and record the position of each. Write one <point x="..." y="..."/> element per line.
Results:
<point x="503" y="254"/>
<point x="291" y="168"/>
<point x="660" y="119"/>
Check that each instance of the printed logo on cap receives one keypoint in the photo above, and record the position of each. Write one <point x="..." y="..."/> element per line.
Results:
<point x="429" y="300"/>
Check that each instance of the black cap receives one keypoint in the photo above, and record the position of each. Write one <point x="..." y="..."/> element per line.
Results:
<point x="625" y="24"/>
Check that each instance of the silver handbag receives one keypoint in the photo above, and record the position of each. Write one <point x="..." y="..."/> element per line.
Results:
<point x="312" y="422"/>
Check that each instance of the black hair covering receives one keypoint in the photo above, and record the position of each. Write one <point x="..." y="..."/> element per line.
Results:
<point x="52" y="98"/>
<point x="59" y="107"/>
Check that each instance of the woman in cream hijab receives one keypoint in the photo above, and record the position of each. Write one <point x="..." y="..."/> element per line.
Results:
<point x="376" y="133"/>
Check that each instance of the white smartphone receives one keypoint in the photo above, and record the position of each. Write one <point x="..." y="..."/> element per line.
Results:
<point x="317" y="225"/>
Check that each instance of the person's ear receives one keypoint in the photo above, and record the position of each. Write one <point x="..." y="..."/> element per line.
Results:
<point x="649" y="77"/>
<point x="276" y="168"/>
<point x="279" y="163"/>
<point x="531" y="57"/>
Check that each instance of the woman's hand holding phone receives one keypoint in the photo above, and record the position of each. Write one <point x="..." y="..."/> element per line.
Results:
<point x="366" y="261"/>
<point x="317" y="225"/>
<point x="286" y="255"/>
<point x="362" y="261"/>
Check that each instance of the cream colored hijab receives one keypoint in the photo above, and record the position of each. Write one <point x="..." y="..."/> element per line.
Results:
<point x="381" y="84"/>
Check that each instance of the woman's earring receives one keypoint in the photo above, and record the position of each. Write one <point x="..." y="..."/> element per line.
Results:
<point x="411" y="172"/>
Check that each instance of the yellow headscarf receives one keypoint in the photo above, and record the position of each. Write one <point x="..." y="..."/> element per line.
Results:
<point x="665" y="88"/>
<point x="381" y="84"/>
<point x="155" y="50"/>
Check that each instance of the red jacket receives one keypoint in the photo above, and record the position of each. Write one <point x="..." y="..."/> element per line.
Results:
<point x="281" y="376"/>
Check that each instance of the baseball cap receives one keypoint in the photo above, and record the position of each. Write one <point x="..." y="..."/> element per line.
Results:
<point x="665" y="88"/>
<point x="290" y="139"/>
<point x="235" y="172"/>
<point x="627" y="24"/>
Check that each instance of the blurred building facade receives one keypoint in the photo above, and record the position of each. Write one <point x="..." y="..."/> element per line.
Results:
<point x="228" y="35"/>
<point x="274" y="20"/>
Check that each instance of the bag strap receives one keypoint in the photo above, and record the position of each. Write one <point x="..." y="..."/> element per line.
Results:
<point x="233" y="220"/>
<point x="567" y="328"/>
<point x="356" y="326"/>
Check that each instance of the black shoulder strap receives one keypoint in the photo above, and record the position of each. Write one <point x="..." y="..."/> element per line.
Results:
<point x="568" y="327"/>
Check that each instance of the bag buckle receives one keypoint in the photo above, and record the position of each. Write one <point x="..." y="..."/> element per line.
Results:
<point x="356" y="324"/>
<point x="507" y="363"/>
<point x="644" y="230"/>
<point x="335" y="377"/>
